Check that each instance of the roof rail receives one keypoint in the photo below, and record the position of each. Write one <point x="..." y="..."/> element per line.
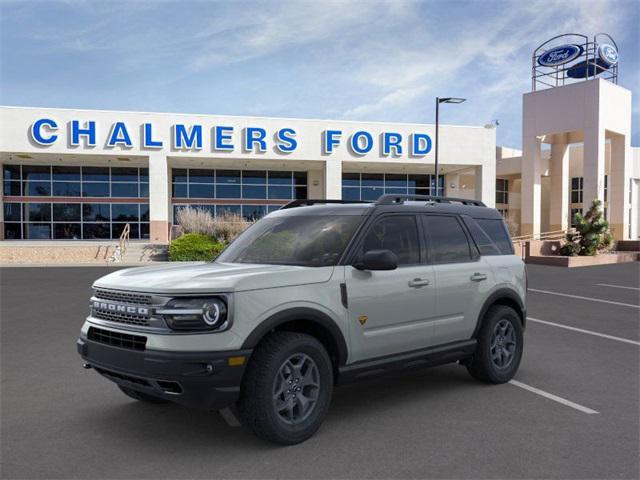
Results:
<point x="395" y="199"/>
<point x="310" y="201"/>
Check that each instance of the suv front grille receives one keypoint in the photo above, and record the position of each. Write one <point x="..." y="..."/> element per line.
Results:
<point x="124" y="297"/>
<point x="129" y="319"/>
<point x="117" y="339"/>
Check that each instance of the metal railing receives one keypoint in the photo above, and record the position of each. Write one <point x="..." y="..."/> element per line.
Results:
<point x="520" y="242"/>
<point x="123" y="243"/>
<point x="552" y="235"/>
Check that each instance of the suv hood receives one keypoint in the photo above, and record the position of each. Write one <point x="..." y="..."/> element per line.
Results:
<point x="204" y="277"/>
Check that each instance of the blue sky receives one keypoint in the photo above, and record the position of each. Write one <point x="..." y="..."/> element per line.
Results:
<point x="355" y="60"/>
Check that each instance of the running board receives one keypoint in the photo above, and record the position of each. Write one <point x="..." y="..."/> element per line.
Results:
<point x="427" y="357"/>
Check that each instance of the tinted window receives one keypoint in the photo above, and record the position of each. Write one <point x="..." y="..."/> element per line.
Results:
<point x="124" y="174"/>
<point x="398" y="234"/>
<point x="447" y="241"/>
<point x="482" y="240"/>
<point x="498" y="233"/>
<point x="36" y="172"/>
<point x="280" y="178"/>
<point x="312" y="241"/>
<point x="64" y="212"/>
<point x="66" y="173"/>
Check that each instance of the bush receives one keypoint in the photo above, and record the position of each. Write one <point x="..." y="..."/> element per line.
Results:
<point x="591" y="235"/>
<point x="195" y="220"/>
<point x="228" y="226"/>
<point x="193" y="247"/>
<point x="224" y="228"/>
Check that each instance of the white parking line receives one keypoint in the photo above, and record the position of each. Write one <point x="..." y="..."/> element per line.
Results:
<point x="584" y="298"/>
<point x="553" y="397"/>
<point x="589" y="332"/>
<point x="616" y="286"/>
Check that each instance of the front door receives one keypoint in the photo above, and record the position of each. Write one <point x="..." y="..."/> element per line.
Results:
<point x="391" y="311"/>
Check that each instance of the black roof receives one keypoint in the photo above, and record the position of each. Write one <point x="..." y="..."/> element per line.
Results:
<point x="392" y="203"/>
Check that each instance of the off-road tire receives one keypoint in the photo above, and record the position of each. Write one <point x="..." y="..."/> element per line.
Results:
<point x="482" y="366"/>
<point x="141" y="396"/>
<point x="256" y="404"/>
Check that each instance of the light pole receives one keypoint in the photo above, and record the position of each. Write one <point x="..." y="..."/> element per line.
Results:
<point x="438" y="102"/>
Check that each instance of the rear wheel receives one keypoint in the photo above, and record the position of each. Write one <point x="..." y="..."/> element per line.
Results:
<point x="500" y="346"/>
<point x="141" y="396"/>
<point x="287" y="388"/>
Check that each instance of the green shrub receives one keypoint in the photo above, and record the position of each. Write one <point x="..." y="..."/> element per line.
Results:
<point x="592" y="233"/>
<point x="193" y="247"/>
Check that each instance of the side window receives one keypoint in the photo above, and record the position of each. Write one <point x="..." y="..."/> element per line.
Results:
<point x="447" y="241"/>
<point x="484" y="243"/>
<point x="497" y="232"/>
<point x="398" y="233"/>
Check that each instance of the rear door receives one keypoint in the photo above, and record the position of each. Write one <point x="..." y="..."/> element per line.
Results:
<point x="391" y="311"/>
<point x="462" y="277"/>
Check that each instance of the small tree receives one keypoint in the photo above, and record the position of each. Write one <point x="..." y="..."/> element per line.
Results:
<point x="592" y="233"/>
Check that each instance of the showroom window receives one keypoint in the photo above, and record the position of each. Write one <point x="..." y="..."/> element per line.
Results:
<point x="77" y="202"/>
<point x="576" y="189"/>
<point x="225" y="190"/>
<point x="370" y="186"/>
<point x="502" y="190"/>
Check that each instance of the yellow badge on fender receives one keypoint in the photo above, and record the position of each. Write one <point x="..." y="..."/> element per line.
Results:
<point x="363" y="319"/>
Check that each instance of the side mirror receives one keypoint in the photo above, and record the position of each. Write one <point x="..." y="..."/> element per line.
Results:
<point x="377" y="260"/>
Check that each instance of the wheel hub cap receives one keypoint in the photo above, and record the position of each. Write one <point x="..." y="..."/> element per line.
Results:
<point x="296" y="388"/>
<point x="503" y="344"/>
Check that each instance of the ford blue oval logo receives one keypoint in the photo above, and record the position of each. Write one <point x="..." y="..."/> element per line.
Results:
<point x="560" y="55"/>
<point x="608" y="54"/>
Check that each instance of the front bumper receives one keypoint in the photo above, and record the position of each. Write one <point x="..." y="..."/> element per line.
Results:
<point x="203" y="380"/>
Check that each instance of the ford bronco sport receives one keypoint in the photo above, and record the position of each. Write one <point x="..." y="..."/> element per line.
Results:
<point x="313" y="295"/>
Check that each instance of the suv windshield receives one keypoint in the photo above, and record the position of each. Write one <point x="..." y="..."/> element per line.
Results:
<point x="310" y="241"/>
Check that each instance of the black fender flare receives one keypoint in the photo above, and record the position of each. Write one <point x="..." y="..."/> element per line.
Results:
<point x="499" y="296"/>
<point x="296" y="314"/>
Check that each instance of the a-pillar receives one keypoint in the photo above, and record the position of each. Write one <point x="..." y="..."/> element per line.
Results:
<point x="333" y="179"/>
<point x="559" y="169"/>
<point x="485" y="188"/>
<point x="159" y="198"/>
<point x="593" y="166"/>
<point x="618" y="188"/>
<point x="531" y="186"/>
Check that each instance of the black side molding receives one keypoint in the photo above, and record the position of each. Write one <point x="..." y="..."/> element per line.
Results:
<point x="343" y="295"/>
<point x="427" y="357"/>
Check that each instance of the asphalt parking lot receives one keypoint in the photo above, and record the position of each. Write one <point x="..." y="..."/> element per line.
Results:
<point x="573" y="412"/>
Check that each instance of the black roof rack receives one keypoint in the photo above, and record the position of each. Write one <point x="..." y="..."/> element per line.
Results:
<point x="395" y="199"/>
<point x="310" y="201"/>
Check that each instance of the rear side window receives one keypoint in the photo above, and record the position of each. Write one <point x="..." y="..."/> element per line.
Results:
<point x="497" y="232"/>
<point x="397" y="233"/>
<point x="446" y="240"/>
<point x="484" y="243"/>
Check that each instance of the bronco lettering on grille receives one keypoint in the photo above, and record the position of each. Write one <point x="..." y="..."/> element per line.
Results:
<point x="114" y="307"/>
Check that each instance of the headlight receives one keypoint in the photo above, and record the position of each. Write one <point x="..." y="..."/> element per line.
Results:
<point x="196" y="314"/>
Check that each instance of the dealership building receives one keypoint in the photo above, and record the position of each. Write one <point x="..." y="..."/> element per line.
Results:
<point x="86" y="174"/>
<point x="81" y="174"/>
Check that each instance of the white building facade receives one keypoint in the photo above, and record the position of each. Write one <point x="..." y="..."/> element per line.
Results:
<point x="85" y="174"/>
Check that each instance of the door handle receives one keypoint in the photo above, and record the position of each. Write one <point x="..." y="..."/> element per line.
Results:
<point x="478" y="277"/>
<point x="419" y="282"/>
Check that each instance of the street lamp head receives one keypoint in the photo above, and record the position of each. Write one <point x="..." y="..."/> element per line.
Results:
<point x="451" y="100"/>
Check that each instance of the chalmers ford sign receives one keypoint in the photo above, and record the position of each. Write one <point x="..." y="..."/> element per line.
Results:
<point x="220" y="138"/>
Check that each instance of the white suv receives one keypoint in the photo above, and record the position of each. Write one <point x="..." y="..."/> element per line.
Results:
<point x="316" y="294"/>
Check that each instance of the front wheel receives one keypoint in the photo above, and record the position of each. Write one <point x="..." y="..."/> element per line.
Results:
<point x="287" y="388"/>
<point x="500" y="346"/>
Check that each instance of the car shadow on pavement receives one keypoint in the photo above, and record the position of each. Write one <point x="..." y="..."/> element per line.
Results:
<point x="192" y="431"/>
